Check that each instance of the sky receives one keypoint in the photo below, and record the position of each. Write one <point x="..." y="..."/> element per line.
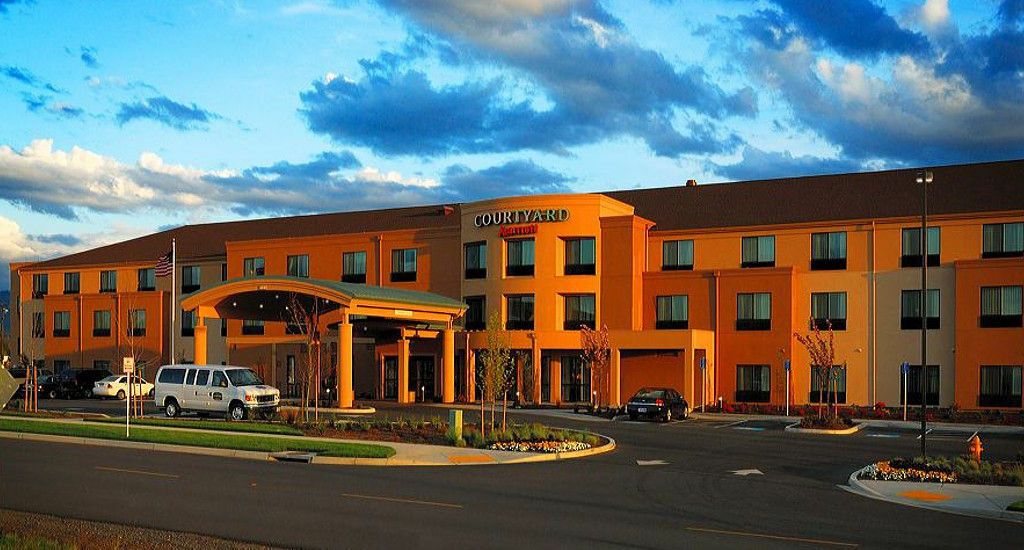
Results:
<point x="118" y="119"/>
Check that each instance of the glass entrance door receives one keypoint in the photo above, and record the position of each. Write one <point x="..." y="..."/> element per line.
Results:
<point x="390" y="378"/>
<point x="421" y="377"/>
<point x="575" y="379"/>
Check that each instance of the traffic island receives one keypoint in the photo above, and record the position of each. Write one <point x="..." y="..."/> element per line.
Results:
<point x="824" y="425"/>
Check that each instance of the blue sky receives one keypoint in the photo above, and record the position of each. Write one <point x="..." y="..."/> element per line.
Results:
<point x="120" y="118"/>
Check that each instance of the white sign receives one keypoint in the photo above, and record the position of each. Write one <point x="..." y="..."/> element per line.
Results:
<point x="129" y="365"/>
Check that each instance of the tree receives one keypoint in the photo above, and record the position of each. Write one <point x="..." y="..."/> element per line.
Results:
<point x="305" y="317"/>
<point x="596" y="351"/>
<point x="822" y="352"/>
<point x="495" y="361"/>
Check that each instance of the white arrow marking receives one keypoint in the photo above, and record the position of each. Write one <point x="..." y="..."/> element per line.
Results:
<point x="748" y="472"/>
<point x="650" y="462"/>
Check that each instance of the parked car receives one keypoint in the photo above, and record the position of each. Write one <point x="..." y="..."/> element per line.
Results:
<point x="234" y="391"/>
<point x="48" y="386"/>
<point x="116" y="385"/>
<point x="78" y="383"/>
<point x="662" y="403"/>
<point x="21" y="377"/>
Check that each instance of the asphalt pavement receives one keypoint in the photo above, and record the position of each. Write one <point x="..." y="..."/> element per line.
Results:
<point x="708" y="484"/>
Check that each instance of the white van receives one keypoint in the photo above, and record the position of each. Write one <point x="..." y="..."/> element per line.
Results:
<point x="236" y="391"/>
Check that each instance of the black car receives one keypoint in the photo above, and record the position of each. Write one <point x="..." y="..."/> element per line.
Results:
<point x="73" y="383"/>
<point x="661" y="403"/>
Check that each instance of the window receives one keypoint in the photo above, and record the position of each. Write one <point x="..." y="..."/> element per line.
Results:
<point x="753" y="383"/>
<point x="911" y="316"/>
<point x="61" y="324"/>
<point x="673" y="312"/>
<point x="835" y="394"/>
<point x="676" y="255"/>
<point x="580" y="311"/>
<point x="298" y="266"/>
<point x="828" y="307"/>
<point x="72" y="282"/>
<point x="40" y="285"/>
<point x="252" y="327"/>
<point x="520" y="312"/>
<point x="188" y="323"/>
<point x="754" y="311"/>
<point x="202" y="377"/>
<point x="61" y="365"/>
<point x="189" y="279"/>
<point x="172" y="376"/>
<point x="912" y="247"/>
<point x="1000" y="306"/>
<point x="252" y="267"/>
<point x="913" y="386"/>
<point x="101" y="323"/>
<point x="476" y="260"/>
<point x="102" y="364"/>
<point x="219" y="380"/>
<point x="289" y="373"/>
<point x="136" y="322"/>
<point x="108" y="281"/>
<point x="828" y="250"/>
<point x="353" y="267"/>
<point x="1002" y="240"/>
<point x="580" y="256"/>
<point x="292" y="327"/>
<point x="575" y="379"/>
<point x="403" y="265"/>
<point x="38" y="324"/>
<point x="1000" y="386"/>
<point x="758" y="251"/>
<point x="520" y="257"/>
<point x="147" y="279"/>
<point x="476" y="315"/>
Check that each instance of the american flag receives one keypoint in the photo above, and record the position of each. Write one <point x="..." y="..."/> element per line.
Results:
<point x="163" y="266"/>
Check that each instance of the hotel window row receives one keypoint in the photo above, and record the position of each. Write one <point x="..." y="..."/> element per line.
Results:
<point x="520" y="257"/>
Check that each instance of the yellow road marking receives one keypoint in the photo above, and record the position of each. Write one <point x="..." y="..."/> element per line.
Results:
<point x="140" y="472"/>
<point x="403" y="500"/>
<point x="469" y="459"/>
<point x="773" y="537"/>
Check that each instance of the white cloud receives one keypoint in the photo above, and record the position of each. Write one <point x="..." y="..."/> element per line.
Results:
<point x="370" y="174"/>
<point x="935" y="13"/>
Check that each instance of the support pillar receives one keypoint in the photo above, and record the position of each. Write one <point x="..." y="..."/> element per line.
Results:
<point x="199" y="342"/>
<point x="403" y="372"/>
<point x="345" y="396"/>
<point x="448" y="368"/>
<point x="536" y="372"/>
<point x="556" y="380"/>
<point x="470" y="373"/>
<point x="615" y="378"/>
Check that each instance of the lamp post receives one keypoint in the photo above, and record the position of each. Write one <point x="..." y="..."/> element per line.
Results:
<point x="924" y="178"/>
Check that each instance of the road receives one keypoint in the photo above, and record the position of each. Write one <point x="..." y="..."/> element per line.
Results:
<point x="606" y="501"/>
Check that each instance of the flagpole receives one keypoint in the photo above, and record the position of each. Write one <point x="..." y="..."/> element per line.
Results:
<point x="174" y="302"/>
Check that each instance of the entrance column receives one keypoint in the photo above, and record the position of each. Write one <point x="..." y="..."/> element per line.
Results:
<point x="470" y="373"/>
<point x="199" y="342"/>
<point x="403" y="370"/>
<point x="556" y="380"/>
<point x="536" y="372"/>
<point x="615" y="378"/>
<point x="448" y="366"/>
<point x="345" y="397"/>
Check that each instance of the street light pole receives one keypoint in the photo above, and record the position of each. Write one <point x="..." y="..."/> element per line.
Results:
<point x="924" y="178"/>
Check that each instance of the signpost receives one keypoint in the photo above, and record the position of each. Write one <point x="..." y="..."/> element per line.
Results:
<point x="129" y="371"/>
<point x="905" y="369"/>
<point x="786" y="365"/>
<point x="704" y="382"/>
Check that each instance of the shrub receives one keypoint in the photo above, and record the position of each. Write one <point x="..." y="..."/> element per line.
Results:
<point x="289" y="416"/>
<point x="474" y="439"/>
<point x="453" y="438"/>
<point x="880" y="405"/>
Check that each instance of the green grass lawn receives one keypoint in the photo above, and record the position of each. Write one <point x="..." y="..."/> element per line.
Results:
<point x="14" y="542"/>
<point x="223" y="426"/>
<point x="1016" y="506"/>
<point x="198" y="439"/>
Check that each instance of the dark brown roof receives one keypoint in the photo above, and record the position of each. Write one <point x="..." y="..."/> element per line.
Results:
<point x="207" y="239"/>
<point x="985" y="187"/>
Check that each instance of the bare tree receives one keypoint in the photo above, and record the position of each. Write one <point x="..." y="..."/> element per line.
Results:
<point x="306" y="319"/>
<point x="596" y="351"/>
<point x="495" y="362"/>
<point x="822" y="352"/>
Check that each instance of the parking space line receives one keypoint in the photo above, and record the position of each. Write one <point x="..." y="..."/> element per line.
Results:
<point x="926" y="432"/>
<point x="403" y="500"/>
<point x="731" y="424"/>
<point x="772" y="537"/>
<point x="972" y="435"/>
<point x="139" y="472"/>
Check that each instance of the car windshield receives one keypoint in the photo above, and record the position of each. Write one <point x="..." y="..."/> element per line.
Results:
<point x="243" y="377"/>
<point x="649" y="394"/>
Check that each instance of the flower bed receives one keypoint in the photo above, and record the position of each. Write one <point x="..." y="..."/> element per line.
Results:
<point x="813" y="422"/>
<point x="539" y="446"/>
<point x="943" y="470"/>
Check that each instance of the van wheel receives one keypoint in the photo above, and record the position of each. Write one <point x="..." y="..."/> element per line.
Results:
<point x="172" y="410"/>
<point x="121" y="395"/>
<point x="236" y="411"/>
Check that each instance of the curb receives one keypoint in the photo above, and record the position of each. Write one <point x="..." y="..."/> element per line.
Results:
<point x="335" y="410"/>
<point x="858" y="488"/>
<point x="848" y="431"/>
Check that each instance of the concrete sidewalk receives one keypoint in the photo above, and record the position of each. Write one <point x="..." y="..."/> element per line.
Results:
<point x="873" y="422"/>
<point x="406" y="454"/>
<point x="987" y="501"/>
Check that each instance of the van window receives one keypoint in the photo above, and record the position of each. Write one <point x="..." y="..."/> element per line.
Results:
<point x="172" y="376"/>
<point x="202" y="377"/>
<point x="219" y="380"/>
<point x="244" y="377"/>
<point x="190" y="377"/>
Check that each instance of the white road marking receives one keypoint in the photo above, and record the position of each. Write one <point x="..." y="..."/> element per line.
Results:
<point x="751" y="471"/>
<point x="731" y="424"/>
<point x="650" y="462"/>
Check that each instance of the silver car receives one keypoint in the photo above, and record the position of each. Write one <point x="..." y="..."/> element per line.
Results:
<point x="234" y="391"/>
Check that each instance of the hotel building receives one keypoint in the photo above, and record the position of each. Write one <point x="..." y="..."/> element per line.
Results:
<point x="702" y="288"/>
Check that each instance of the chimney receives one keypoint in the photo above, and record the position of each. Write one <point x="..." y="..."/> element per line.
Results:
<point x="691" y="183"/>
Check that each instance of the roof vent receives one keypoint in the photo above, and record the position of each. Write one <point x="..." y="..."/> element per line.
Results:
<point x="691" y="183"/>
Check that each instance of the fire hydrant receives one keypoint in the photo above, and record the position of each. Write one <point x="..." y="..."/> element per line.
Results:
<point x="974" y="448"/>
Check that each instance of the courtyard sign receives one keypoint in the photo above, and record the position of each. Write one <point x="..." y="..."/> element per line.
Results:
<point x="507" y="217"/>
